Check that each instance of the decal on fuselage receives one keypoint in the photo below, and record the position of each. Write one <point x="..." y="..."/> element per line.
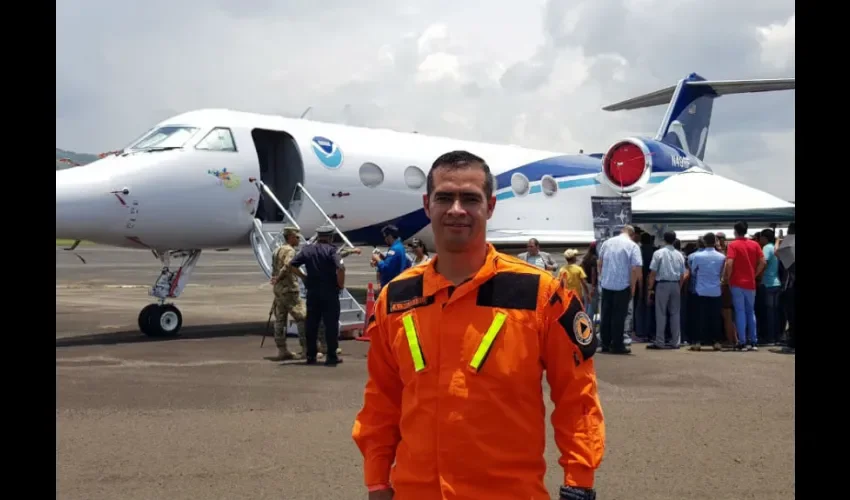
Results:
<point x="328" y="152"/>
<point x="227" y="179"/>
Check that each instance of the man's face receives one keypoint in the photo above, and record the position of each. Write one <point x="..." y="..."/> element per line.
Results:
<point x="292" y="239"/>
<point x="532" y="248"/>
<point x="458" y="208"/>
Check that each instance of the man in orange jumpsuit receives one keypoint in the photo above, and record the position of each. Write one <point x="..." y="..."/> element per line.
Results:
<point x="453" y="406"/>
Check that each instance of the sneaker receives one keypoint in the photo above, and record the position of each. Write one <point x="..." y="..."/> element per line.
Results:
<point x="717" y="346"/>
<point x="695" y="347"/>
<point x="751" y="347"/>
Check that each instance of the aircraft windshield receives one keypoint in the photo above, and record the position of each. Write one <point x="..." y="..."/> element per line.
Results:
<point x="168" y="137"/>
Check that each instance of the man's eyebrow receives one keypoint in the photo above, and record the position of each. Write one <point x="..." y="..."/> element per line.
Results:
<point x="459" y="192"/>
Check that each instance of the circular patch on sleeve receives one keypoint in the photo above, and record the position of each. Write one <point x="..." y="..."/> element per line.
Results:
<point x="583" y="328"/>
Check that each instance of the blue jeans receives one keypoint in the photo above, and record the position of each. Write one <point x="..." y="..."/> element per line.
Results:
<point x="743" y="301"/>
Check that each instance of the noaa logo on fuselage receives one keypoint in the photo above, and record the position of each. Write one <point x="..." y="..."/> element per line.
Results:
<point x="327" y="152"/>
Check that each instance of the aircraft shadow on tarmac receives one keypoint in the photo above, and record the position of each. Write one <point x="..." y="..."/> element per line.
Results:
<point x="187" y="332"/>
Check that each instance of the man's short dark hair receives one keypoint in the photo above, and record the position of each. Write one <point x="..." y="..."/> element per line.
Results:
<point x="389" y="230"/>
<point x="792" y="229"/>
<point x="454" y="160"/>
<point x="769" y="235"/>
<point x="710" y="240"/>
<point x="741" y="228"/>
<point x="669" y="237"/>
<point x="645" y="238"/>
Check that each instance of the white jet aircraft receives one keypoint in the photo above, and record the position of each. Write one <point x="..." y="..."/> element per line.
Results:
<point x="217" y="179"/>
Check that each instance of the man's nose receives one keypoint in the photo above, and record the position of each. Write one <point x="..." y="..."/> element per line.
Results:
<point x="456" y="207"/>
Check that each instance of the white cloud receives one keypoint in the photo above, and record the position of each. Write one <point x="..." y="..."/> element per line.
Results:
<point x="777" y="43"/>
<point x="530" y="73"/>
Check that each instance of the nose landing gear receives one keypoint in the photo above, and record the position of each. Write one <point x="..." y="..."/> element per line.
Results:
<point x="161" y="319"/>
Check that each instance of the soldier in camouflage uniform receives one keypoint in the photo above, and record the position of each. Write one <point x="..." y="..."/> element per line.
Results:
<point x="287" y="296"/>
<point x="323" y="344"/>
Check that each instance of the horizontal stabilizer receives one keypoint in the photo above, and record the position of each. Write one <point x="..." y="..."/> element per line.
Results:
<point x="718" y="88"/>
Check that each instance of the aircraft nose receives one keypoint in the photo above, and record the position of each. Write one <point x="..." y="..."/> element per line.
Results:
<point x="86" y="209"/>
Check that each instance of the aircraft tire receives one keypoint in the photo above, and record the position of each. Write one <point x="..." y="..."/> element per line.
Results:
<point x="164" y="321"/>
<point x="144" y="318"/>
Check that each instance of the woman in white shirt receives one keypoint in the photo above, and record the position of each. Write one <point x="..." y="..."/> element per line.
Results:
<point x="420" y="253"/>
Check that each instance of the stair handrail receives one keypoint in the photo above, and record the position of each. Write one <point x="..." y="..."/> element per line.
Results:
<point x="328" y="219"/>
<point x="263" y="188"/>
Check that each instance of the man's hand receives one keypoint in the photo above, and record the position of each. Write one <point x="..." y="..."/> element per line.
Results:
<point x="382" y="494"/>
<point x="375" y="259"/>
<point x="357" y="251"/>
<point x="273" y="280"/>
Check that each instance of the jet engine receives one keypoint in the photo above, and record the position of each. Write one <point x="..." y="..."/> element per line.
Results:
<point x="627" y="165"/>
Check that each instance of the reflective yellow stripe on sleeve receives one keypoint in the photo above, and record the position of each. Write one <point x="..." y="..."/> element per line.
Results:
<point x="413" y="343"/>
<point x="487" y="341"/>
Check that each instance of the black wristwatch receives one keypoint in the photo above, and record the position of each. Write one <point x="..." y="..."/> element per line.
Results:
<point x="574" y="493"/>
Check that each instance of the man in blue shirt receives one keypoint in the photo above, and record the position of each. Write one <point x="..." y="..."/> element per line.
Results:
<point x="620" y="265"/>
<point x="707" y="267"/>
<point x="770" y="289"/>
<point x="396" y="260"/>
<point x="666" y="277"/>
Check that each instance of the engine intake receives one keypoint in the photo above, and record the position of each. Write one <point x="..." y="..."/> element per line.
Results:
<point x="627" y="165"/>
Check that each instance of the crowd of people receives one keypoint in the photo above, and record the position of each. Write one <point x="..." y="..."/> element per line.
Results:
<point x="713" y="293"/>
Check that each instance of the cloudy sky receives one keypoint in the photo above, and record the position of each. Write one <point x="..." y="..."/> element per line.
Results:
<point x="533" y="73"/>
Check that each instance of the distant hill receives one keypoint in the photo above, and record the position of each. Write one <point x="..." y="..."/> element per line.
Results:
<point x="78" y="158"/>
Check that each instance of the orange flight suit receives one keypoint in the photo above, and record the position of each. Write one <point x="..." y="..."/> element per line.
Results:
<point x="454" y="395"/>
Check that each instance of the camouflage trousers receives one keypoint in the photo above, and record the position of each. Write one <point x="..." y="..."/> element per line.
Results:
<point x="291" y="304"/>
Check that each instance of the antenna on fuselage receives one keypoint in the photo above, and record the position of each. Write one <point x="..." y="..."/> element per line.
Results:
<point x="309" y="108"/>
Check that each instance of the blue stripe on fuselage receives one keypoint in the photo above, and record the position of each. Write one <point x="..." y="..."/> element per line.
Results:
<point x="508" y="193"/>
<point x="565" y="166"/>
<point x="562" y="168"/>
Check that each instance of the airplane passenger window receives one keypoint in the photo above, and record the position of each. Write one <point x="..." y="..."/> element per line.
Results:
<point x="371" y="175"/>
<point x="170" y="136"/>
<point x="219" y="139"/>
<point x="520" y="184"/>
<point x="414" y="177"/>
<point x="549" y="185"/>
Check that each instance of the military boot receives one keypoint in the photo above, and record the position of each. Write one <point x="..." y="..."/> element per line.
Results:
<point x="283" y="354"/>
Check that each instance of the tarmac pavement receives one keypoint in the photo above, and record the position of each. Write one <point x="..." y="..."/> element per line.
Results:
<point x="205" y="416"/>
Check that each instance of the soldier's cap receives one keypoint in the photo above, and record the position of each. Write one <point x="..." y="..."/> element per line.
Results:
<point x="287" y="230"/>
<point x="325" y="230"/>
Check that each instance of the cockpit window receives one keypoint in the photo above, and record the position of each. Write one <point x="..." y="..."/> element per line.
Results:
<point x="219" y="139"/>
<point x="168" y="137"/>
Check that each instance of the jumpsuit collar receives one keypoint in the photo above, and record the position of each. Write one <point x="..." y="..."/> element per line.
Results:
<point x="434" y="281"/>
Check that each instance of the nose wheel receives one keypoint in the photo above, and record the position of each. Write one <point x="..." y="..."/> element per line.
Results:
<point x="157" y="320"/>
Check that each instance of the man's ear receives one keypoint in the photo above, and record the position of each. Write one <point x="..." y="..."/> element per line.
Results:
<point x="426" y="205"/>
<point x="491" y="206"/>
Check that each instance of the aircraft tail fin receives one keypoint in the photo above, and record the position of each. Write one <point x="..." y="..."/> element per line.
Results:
<point x="690" y="101"/>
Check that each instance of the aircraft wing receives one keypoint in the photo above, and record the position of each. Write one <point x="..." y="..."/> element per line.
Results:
<point x="696" y="198"/>
<point x="520" y="237"/>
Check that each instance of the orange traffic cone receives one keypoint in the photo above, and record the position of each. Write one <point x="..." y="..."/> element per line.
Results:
<point x="370" y="308"/>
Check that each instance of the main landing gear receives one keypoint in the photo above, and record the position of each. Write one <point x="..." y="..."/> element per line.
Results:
<point x="161" y="319"/>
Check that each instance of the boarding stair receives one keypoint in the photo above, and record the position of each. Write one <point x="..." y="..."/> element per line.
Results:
<point x="266" y="237"/>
